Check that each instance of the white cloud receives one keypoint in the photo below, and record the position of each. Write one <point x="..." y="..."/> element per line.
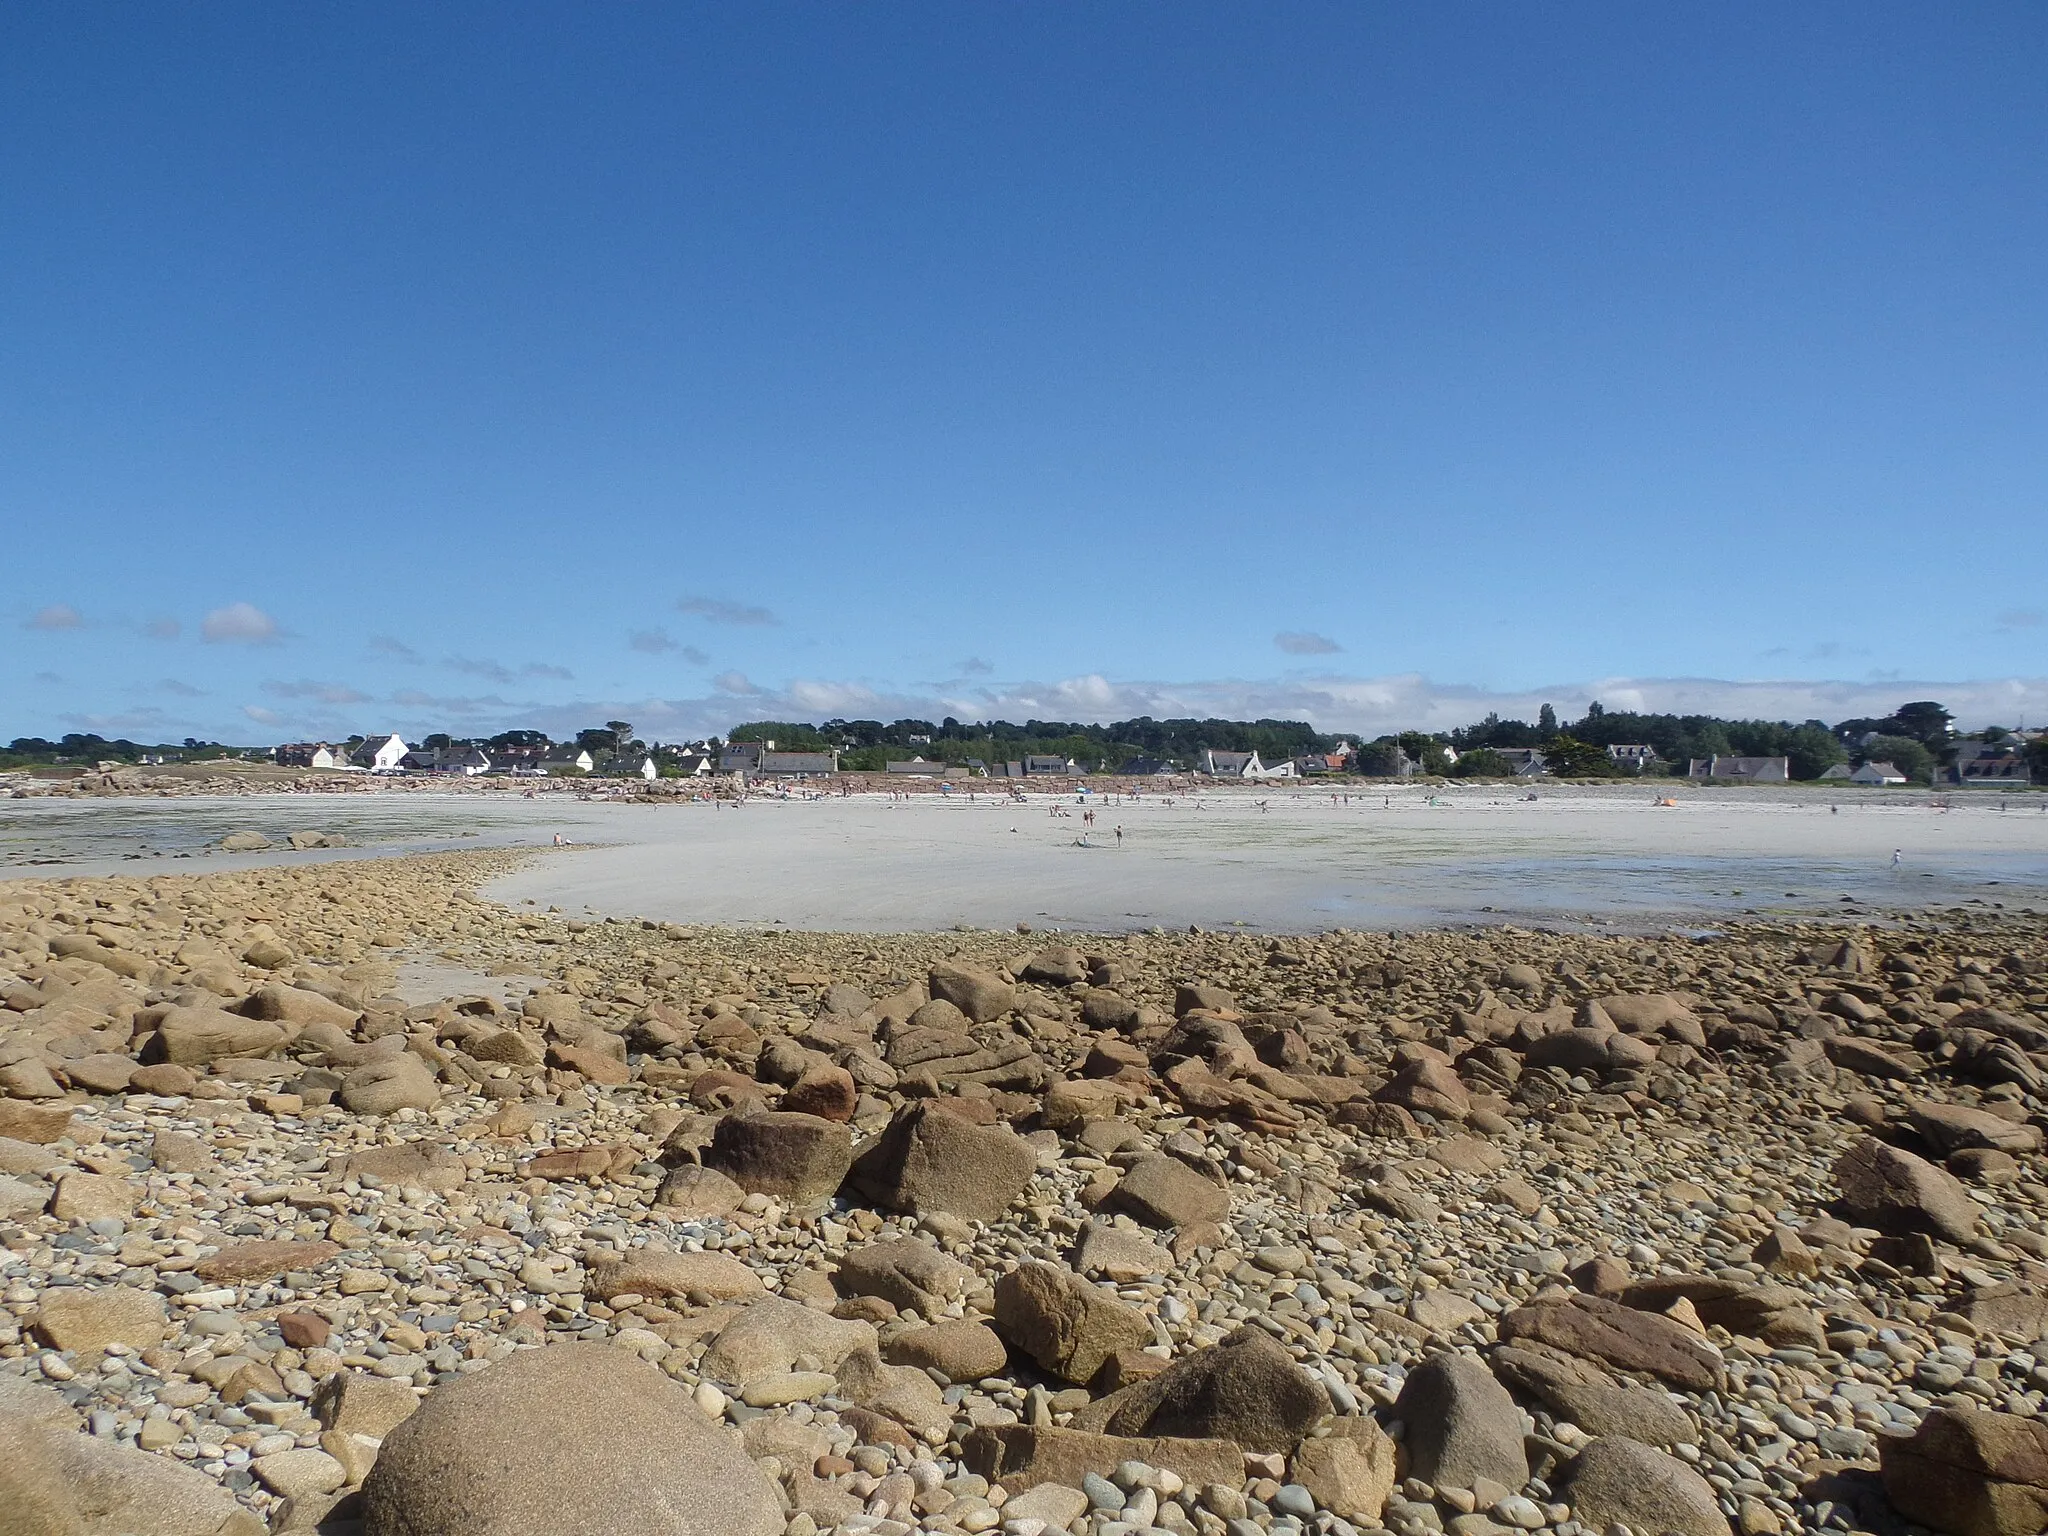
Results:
<point x="240" y="624"/>
<point x="261" y="715"/>
<point x="719" y="611"/>
<point x="652" y="641"/>
<point x="974" y="666"/>
<point x="163" y="628"/>
<point x="398" y="650"/>
<point x="498" y="672"/>
<point x="138" y="720"/>
<point x="179" y="688"/>
<point x="1371" y="706"/>
<point x="1301" y="642"/>
<point x="319" y="693"/>
<point x="55" y="616"/>
<point x="2020" y="618"/>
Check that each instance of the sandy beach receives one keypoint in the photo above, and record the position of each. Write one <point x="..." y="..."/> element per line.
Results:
<point x="1273" y="860"/>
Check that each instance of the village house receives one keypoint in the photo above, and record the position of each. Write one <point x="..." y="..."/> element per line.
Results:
<point x="1877" y="774"/>
<point x="1231" y="765"/>
<point x="793" y="765"/>
<point x="917" y="768"/>
<point x="306" y="754"/>
<point x="1147" y="768"/>
<point x="1988" y="765"/>
<point x="1635" y="756"/>
<point x="1524" y="762"/>
<point x="1050" y="767"/>
<point x="566" y="759"/>
<point x="1746" y="770"/>
<point x="379" y="754"/>
<point x="694" y="765"/>
<point x="519" y="762"/>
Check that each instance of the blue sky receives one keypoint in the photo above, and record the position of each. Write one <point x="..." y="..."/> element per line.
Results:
<point x="464" y="367"/>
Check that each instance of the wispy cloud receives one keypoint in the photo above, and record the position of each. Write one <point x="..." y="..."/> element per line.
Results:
<point x="498" y="672"/>
<point x="49" y="677"/>
<point x="55" y="616"/>
<point x="163" y="627"/>
<point x="396" y="649"/>
<point x="240" y="624"/>
<point x="974" y="666"/>
<point x="1300" y="642"/>
<point x="319" y="693"/>
<point x="657" y="641"/>
<point x="138" y="721"/>
<point x="1370" y="706"/>
<point x="2020" y="618"/>
<point x="261" y="715"/>
<point x="719" y="611"/>
<point x="178" y="688"/>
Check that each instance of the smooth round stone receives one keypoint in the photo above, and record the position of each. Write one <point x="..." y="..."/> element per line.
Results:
<point x="1102" y="1493"/>
<point x="1520" y="1512"/>
<point x="1294" y="1499"/>
<point x="789" y="1387"/>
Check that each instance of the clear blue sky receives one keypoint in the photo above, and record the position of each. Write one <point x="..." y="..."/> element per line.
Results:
<point x="370" y="367"/>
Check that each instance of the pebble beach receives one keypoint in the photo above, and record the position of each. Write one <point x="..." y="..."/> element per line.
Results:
<point x="373" y="1195"/>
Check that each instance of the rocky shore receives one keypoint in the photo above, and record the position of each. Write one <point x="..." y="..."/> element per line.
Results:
<point x="692" y="1230"/>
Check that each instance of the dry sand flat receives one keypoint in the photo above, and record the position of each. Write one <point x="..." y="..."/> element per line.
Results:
<point x="1290" y="860"/>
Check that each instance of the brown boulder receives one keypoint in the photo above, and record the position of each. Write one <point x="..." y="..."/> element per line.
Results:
<point x="570" y="1440"/>
<point x="1617" y="1481"/>
<point x="1067" y="1325"/>
<point x="981" y="995"/>
<point x="1970" y="1473"/>
<point x="242" y="1263"/>
<point x="1595" y="1328"/>
<point x="930" y="1159"/>
<point x="798" y="1158"/>
<point x="1891" y="1189"/>
<point x="1166" y="1192"/>
<point x="198" y="1036"/>
<point x="1348" y="1469"/>
<point x="825" y="1091"/>
<point x="1247" y="1389"/>
<point x="1430" y="1087"/>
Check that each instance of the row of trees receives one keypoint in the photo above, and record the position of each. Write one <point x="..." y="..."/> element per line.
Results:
<point x="1917" y="738"/>
<point x="865" y="745"/>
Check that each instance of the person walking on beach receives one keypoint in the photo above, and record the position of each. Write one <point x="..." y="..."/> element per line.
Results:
<point x="1119" y="836"/>
<point x="1896" y="855"/>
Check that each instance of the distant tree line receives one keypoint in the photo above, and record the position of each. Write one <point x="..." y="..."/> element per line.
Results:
<point x="1917" y="738"/>
<point x="865" y="745"/>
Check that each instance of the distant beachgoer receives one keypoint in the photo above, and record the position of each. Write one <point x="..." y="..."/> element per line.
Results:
<point x="1897" y="854"/>
<point x="561" y="842"/>
<point x="1120" y="835"/>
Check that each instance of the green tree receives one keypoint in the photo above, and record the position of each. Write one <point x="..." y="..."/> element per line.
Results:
<point x="1904" y="754"/>
<point x="1813" y="750"/>
<point x="1380" y="759"/>
<point x="1569" y="758"/>
<point x="1926" y="722"/>
<point x="1546" y="720"/>
<point x="1482" y="763"/>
